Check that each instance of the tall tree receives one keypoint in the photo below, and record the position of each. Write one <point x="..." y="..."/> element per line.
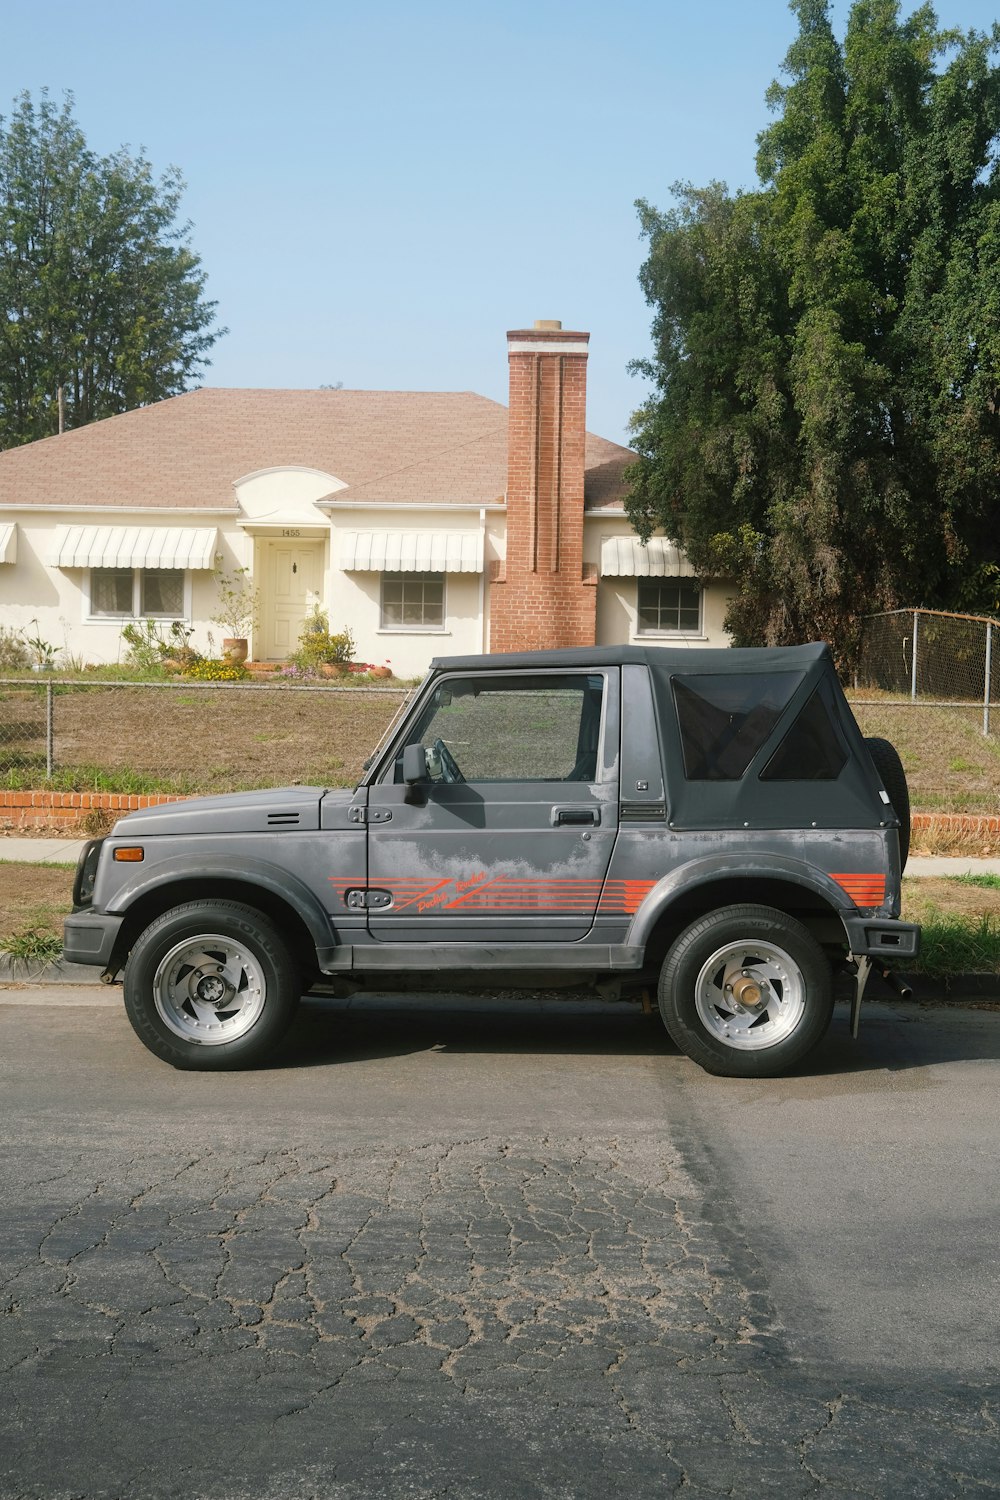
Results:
<point x="825" y="422"/>
<point x="100" y="292"/>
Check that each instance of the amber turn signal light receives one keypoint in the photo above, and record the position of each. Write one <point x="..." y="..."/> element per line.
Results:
<point x="128" y="854"/>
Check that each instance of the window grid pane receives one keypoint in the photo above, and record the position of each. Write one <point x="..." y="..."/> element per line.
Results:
<point x="161" y="592"/>
<point x="668" y="605"/>
<point x="413" y="601"/>
<point x="111" y="591"/>
<point x="133" y="593"/>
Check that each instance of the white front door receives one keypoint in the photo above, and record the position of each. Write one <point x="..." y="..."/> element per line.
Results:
<point x="290" y="572"/>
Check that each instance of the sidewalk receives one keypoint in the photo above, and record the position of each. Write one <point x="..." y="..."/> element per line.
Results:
<point x="41" y="851"/>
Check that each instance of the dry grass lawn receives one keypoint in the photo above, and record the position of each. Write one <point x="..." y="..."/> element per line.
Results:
<point x="950" y="765"/>
<point x="207" y="739"/>
<point x="922" y="898"/>
<point x="33" y="896"/>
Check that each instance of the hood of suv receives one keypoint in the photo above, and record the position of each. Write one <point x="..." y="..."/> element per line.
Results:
<point x="270" y="811"/>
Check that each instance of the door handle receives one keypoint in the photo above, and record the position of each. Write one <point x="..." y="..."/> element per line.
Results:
<point x="579" y="815"/>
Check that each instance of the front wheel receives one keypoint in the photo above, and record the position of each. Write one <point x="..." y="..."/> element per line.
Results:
<point x="746" y="991"/>
<point x="210" y="986"/>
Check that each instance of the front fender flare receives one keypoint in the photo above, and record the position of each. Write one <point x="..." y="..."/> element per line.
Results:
<point x="274" y="879"/>
<point x="699" y="872"/>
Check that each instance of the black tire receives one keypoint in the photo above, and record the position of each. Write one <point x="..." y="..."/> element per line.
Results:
<point x="885" y="758"/>
<point x="761" y="947"/>
<point x="210" y="986"/>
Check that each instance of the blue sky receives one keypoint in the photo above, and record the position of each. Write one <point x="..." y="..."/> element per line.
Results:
<point x="379" y="190"/>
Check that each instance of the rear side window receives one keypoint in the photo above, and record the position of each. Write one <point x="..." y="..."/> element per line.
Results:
<point x="810" y="750"/>
<point x="725" y="719"/>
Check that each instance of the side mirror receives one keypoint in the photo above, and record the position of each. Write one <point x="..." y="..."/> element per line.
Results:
<point x="414" y="764"/>
<point x="415" y="774"/>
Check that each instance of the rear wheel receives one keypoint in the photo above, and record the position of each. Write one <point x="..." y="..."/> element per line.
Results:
<point x="746" y="991"/>
<point x="210" y="986"/>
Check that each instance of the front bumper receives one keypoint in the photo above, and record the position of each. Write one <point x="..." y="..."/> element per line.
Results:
<point x="882" y="938"/>
<point x="89" y="937"/>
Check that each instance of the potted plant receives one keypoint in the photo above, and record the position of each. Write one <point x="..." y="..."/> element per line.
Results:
<point x="237" y="611"/>
<point x="44" y="652"/>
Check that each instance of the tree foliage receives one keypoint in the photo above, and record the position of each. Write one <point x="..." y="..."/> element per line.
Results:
<point x="824" y="427"/>
<point x="100" y="292"/>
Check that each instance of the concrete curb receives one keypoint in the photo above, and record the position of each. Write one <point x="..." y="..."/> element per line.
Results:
<point x="22" y="971"/>
<point x="955" y="987"/>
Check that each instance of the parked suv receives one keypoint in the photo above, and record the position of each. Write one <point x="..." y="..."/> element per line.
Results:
<point x="710" y="824"/>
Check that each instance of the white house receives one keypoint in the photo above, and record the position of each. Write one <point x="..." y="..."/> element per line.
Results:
<point x="421" y="520"/>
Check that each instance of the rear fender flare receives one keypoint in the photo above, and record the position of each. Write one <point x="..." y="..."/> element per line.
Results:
<point x="699" y="872"/>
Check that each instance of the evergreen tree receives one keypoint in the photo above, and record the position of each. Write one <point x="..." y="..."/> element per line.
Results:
<point x="100" y="292"/>
<point x="825" y="423"/>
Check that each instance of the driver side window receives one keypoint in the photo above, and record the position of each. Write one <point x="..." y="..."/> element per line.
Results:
<point x="495" y="728"/>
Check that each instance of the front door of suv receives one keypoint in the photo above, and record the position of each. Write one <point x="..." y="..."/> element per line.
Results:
<point x="511" y="836"/>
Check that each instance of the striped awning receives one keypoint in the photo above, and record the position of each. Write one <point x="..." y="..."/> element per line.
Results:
<point x="627" y="557"/>
<point x="8" y="542"/>
<point x="411" y="551"/>
<point x="136" y="547"/>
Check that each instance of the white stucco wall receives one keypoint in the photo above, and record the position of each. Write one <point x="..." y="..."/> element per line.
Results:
<point x="274" y="500"/>
<point x="354" y="598"/>
<point x="33" y="589"/>
<point x="617" y="612"/>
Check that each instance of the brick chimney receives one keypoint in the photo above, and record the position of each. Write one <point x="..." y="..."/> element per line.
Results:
<point x="539" y="598"/>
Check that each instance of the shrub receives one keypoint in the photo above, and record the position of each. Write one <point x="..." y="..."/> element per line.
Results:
<point x="14" y="653"/>
<point x="149" y="648"/>
<point x="317" y="646"/>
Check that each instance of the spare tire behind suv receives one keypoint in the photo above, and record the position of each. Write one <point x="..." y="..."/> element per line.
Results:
<point x="890" y="768"/>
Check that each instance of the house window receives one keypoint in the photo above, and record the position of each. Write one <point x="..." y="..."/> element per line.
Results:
<point x="669" y="606"/>
<point x="412" y="601"/>
<point x="137" y="593"/>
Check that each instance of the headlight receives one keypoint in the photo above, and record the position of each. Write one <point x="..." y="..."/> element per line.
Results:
<point x="86" y="873"/>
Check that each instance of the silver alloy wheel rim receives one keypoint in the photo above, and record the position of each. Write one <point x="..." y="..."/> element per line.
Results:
<point x="209" y="989"/>
<point x="782" y="989"/>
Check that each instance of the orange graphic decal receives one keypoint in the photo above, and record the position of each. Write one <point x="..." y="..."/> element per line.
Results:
<point x="864" y="889"/>
<point x="500" y="894"/>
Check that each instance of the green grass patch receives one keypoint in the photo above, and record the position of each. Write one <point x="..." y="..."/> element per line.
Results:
<point x="23" y="778"/>
<point x="984" y="882"/>
<point x="959" y="945"/>
<point x="36" y="945"/>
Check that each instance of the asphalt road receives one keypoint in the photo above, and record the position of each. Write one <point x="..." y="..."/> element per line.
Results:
<point x="506" y="1252"/>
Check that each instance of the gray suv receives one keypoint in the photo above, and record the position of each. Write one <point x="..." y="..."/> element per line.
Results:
<point x="709" y="824"/>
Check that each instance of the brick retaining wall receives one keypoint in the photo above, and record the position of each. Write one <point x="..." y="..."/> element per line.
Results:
<point x="983" y="823"/>
<point x="71" y="811"/>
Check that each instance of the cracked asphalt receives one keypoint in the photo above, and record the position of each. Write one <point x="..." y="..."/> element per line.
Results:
<point x="497" y="1252"/>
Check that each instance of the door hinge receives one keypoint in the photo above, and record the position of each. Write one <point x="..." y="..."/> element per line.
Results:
<point x="368" y="815"/>
<point x="357" y="899"/>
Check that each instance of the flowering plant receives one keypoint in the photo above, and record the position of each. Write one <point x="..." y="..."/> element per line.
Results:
<point x="210" y="669"/>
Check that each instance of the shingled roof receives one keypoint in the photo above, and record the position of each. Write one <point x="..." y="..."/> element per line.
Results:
<point x="444" y="447"/>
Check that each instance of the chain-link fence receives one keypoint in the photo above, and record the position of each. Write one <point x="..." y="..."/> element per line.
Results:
<point x="187" y="737"/>
<point x="925" y="656"/>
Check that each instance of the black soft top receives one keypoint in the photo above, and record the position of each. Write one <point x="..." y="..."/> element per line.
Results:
<point x="803" y="765"/>
<point x="661" y="658"/>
